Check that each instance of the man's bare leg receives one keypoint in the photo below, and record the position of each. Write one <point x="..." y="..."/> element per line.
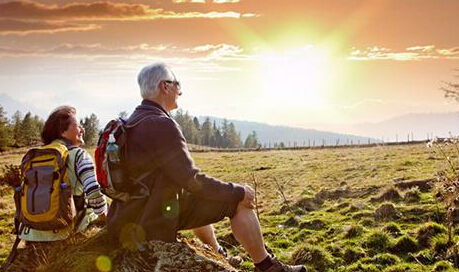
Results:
<point x="207" y="235"/>
<point x="246" y="230"/>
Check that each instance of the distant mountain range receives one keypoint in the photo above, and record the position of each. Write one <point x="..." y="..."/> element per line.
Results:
<point x="417" y="126"/>
<point x="269" y="135"/>
<point x="414" y="126"/>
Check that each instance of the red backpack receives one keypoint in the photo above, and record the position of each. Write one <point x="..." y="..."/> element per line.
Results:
<point x="112" y="177"/>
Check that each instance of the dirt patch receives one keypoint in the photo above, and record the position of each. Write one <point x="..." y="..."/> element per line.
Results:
<point x="424" y="185"/>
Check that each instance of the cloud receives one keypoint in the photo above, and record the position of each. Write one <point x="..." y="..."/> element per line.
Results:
<point x="188" y="1"/>
<point x="425" y="48"/>
<point x="76" y="11"/>
<point x="219" y="51"/>
<point x="99" y="11"/>
<point x="24" y="17"/>
<point x="19" y="27"/>
<point x="203" y="1"/>
<point x="413" y="53"/>
<point x="225" y="1"/>
<point x="449" y="52"/>
<point x="202" y="53"/>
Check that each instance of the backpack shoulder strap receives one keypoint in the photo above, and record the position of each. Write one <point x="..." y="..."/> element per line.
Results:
<point x="14" y="250"/>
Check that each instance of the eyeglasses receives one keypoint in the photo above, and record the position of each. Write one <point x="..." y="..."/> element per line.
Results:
<point x="177" y="83"/>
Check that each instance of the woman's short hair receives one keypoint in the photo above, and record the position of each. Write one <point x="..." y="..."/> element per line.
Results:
<point x="57" y="122"/>
<point x="150" y="77"/>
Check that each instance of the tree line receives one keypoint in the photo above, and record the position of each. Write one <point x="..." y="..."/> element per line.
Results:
<point x="19" y="131"/>
<point x="210" y="134"/>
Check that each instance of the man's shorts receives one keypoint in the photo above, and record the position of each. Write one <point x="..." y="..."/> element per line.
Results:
<point x="197" y="212"/>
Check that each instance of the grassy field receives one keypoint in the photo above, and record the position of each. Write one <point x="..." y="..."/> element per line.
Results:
<point x="341" y="209"/>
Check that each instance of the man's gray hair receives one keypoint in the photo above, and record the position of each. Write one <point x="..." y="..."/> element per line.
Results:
<point x="150" y="77"/>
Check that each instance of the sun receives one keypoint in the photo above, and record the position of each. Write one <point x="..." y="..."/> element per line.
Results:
<point x="296" y="78"/>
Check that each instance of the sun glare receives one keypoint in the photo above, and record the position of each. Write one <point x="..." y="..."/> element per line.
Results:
<point x="296" y="78"/>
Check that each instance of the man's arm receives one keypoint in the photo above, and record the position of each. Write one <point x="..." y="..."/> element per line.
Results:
<point x="178" y="165"/>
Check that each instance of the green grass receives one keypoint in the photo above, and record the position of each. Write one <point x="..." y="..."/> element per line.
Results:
<point x="340" y="231"/>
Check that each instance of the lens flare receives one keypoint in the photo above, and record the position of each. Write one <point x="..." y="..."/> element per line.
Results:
<point x="103" y="263"/>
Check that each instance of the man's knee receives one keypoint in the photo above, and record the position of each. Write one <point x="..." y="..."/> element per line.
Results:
<point x="241" y="208"/>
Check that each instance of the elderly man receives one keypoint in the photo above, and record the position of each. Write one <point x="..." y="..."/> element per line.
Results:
<point x="181" y="197"/>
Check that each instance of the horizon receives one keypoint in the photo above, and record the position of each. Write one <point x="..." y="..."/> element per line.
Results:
<point x="305" y="64"/>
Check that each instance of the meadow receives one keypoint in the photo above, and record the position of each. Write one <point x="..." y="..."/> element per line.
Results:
<point x="331" y="209"/>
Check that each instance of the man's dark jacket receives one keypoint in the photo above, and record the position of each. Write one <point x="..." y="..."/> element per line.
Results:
<point x="158" y="143"/>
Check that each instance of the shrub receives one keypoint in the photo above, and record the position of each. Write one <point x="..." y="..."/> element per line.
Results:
<point x="413" y="195"/>
<point x="393" y="229"/>
<point x="386" y="259"/>
<point x="11" y="175"/>
<point x="376" y="242"/>
<point x="427" y="231"/>
<point x="405" y="244"/>
<point x="314" y="256"/>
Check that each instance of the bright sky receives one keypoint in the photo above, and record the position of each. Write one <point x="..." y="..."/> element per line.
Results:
<point x="289" y="62"/>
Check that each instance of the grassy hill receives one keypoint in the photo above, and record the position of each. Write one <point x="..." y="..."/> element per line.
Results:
<point x="341" y="209"/>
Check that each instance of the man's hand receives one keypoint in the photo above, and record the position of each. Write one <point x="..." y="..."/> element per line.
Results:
<point x="249" y="197"/>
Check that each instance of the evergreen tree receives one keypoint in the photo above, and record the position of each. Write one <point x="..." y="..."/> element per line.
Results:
<point x="29" y="130"/>
<point x="17" y="130"/>
<point x="39" y="124"/>
<point x="196" y="123"/>
<point x="123" y="114"/>
<point x="206" y="132"/>
<point x="215" y="136"/>
<point x="251" y="141"/>
<point x="224" y="133"/>
<point x="232" y="138"/>
<point x="6" y="133"/>
<point x="91" y="129"/>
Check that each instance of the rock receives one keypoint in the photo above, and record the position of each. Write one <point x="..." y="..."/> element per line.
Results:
<point x="82" y="253"/>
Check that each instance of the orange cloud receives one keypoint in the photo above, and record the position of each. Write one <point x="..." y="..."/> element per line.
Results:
<point x="19" y="27"/>
<point x="100" y="11"/>
<point x="24" y="17"/>
<point x="96" y="11"/>
<point x="449" y="52"/>
<point x="415" y="53"/>
<point x="203" y="52"/>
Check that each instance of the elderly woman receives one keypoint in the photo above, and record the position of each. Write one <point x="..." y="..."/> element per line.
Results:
<point x="62" y="126"/>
